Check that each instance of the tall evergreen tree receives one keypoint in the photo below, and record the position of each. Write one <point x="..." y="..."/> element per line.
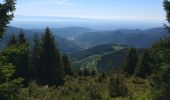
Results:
<point x="35" y="58"/>
<point x="21" y="37"/>
<point x="129" y="66"/>
<point x="143" y="68"/>
<point x="9" y="87"/>
<point x="51" y="70"/>
<point x="6" y="14"/>
<point x="66" y="65"/>
<point x="12" y="41"/>
<point x="160" y="79"/>
<point x="166" y="5"/>
<point x="18" y="55"/>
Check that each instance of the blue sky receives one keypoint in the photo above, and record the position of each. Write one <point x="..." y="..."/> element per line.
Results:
<point x="137" y="10"/>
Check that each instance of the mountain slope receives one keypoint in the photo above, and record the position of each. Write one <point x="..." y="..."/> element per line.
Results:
<point x="137" y="38"/>
<point x="97" y="50"/>
<point x="96" y="57"/>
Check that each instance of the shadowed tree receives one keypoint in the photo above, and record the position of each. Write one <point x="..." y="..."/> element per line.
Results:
<point x="6" y="14"/>
<point x="131" y="60"/>
<point x="35" y="58"/>
<point x="51" y="71"/>
<point x="166" y="5"/>
<point x="66" y="65"/>
<point x="21" y="37"/>
<point x="143" y="68"/>
<point x="12" y="41"/>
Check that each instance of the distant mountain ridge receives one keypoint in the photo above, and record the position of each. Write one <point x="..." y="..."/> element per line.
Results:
<point x="69" y="32"/>
<point x="136" y="38"/>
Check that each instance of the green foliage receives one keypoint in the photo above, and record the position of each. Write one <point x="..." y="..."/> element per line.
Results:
<point x="160" y="77"/>
<point x="35" y="59"/>
<point x="67" y="65"/>
<point x="129" y="66"/>
<point x="111" y="60"/>
<point x="160" y="83"/>
<point x="95" y="92"/>
<point x="86" y="72"/>
<point x="166" y="5"/>
<point x="117" y="87"/>
<point x="10" y="90"/>
<point x="89" y="63"/>
<point x="36" y="92"/>
<point x="93" y="73"/>
<point x="21" y="37"/>
<point x="12" y="41"/>
<point x="6" y="72"/>
<point x="6" y="14"/>
<point x="143" y="67"/>
<point x="51" y="71"/>
<point x="18" y="56"/>
<point x="9" y="87"/>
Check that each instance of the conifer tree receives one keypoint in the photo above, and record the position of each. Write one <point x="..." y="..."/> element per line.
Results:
<point x="9" y="87"/>
<point x="51" y="70"/>
<point x="6" y="14"/>
<point x="12" y="41"/>
<point x="131" y="60"/>
<point x="143" y="68"/>
<point x="166" y="5"/>
<point x="35" y="58"/>
<point x="21" y="37"/>
<point x="160" y="79"/>
<point x="66" y="65"/>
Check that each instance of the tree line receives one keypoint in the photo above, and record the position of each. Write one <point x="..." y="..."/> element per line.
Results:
<point x="41" y="62"/>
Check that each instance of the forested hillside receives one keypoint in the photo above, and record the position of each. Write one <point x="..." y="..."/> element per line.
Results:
<point x="136" y="38"/>
<point x="47" y="67"/>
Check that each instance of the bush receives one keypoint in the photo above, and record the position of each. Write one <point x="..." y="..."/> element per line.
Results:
<point x="95" y="92"/>
<point x="117" y="87"/>
<point x="36" y="92"/>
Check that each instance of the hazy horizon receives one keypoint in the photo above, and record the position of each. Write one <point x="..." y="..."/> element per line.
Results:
<point x="97" y="14"/>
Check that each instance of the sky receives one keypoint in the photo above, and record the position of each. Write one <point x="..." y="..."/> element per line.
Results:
<point x="139" y="10"/>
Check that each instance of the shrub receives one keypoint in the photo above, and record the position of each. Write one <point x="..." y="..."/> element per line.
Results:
<point x="95" y="92"/>
<point x="117" y="87"/>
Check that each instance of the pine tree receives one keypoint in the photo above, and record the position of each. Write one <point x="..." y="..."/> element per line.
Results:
<point x="21" y="37"/>
<point x="129" y="66"/>
<point x="143" y="68"/>
<point x="35" y="58"/>
<point x="12" y="41"/>
<point x="9" y="86"/>
<point x="51" y="70"/>
<point x="166" y="5"/>
<point x="160" y="78"/>
<point x="18" y="55"/>
<point x="67" y="65"/>
<point x="6" y="14"/>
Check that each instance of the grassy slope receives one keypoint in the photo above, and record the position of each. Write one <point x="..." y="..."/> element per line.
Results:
<point x="100" y="58"/>
<point x="82" y="88"/>
<point x="138" y="89"/>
